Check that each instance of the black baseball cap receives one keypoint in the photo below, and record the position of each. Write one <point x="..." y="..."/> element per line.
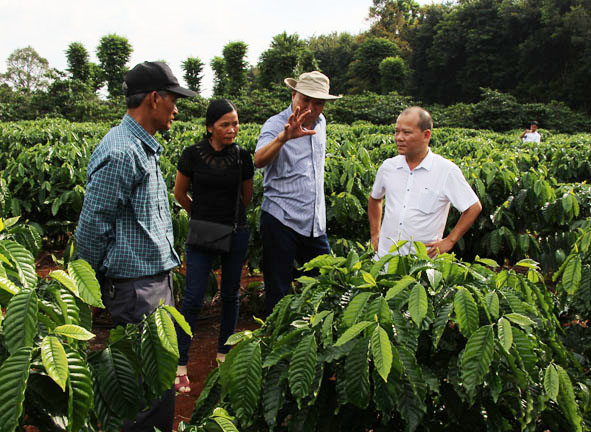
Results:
<point x="149" y="76"/>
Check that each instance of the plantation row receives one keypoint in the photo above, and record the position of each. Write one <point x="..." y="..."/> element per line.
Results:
<point x="533" y="196"/>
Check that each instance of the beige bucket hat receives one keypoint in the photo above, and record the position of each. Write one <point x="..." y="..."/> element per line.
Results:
<point x="312" y="84"/>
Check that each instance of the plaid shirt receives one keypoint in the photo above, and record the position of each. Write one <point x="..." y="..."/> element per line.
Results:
<point x="125" y="230"/>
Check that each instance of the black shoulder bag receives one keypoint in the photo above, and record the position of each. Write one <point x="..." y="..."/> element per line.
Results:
<point x="213" y="236"/>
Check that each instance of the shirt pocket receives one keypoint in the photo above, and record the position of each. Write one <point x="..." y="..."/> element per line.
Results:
<point x="428" y="201"/>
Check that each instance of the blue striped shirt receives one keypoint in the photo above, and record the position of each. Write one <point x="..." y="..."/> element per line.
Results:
<point x="294" y="181"/>
<point x="125" y="229"/>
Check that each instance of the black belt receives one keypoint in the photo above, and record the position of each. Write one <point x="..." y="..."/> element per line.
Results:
<point x="124" y="280"/>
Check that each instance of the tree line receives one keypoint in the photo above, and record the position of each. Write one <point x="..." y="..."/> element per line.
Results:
<point x="535" y="51"/>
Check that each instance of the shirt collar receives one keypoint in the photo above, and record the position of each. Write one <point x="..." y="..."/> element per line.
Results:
<point x="137" y="130"/>
<point x="426" y="163"/>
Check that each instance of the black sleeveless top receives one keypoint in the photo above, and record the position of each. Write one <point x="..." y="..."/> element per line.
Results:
<point x="214" y="181"/>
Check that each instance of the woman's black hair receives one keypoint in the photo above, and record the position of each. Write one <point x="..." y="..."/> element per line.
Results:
<point x="216" y="109"/>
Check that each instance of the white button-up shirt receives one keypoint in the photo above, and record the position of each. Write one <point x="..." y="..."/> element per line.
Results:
<point x="417" y="201"/>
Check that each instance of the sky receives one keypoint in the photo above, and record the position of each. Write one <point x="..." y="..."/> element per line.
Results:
<point x="170" y="30"/>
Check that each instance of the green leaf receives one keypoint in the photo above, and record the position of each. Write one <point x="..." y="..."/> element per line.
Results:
<point x="487" y="261"/>
<point x="159" y="352"/>
<point x="528" y="263"/>
<point x="274" y="393"/>
<point x="492" y="302"/>
<point x="441" y="323"/>
<point x="466" y="311"/>
<point x="435" y="277"/>
<point x="357" y="385"/>
<point x="65" y="279"/>
<point x="245" y="381"/>
<point x="74" y="331"/>
<point x="571" y="277"/>
<point x="477" y="357"/>
<point x="505" y="333"/>
<point x="179" y="318"/>
<point x="14" y="374"/>
<point x="400" y="286"/>
<point x="54" y="360"/>
<point x="413" y="372"/>
<point x="567" y="400"/>
<point x="417" y="304"/>
<point x="379" y="265"/>
<point x="355" y="308"/>
<point x="85" y="280"/>
<point x="302" y="368"/>
<point x="551" y="382"/>
<point x="20" y="323"/>
<point x="520" y="320"/>
<point x="381" y="350"/>
<point x="8" y="286"/>
<point x="225" y="424"/>
<point x="23" y="261"/>
<point x="368" y="278"/>
<point x="352" y="332"/>
<point x="81" y="391"/>
<point x="118" y="383"/>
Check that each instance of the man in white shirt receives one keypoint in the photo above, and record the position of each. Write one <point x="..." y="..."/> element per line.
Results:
<point x="419" y="186"/>
<point x="531" y="134"/>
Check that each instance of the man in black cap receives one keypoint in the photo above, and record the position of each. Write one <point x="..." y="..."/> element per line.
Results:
<point x="125" y="229"/>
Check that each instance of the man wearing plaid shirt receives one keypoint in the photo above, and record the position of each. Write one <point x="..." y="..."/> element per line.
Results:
<point x="125" y="229"/>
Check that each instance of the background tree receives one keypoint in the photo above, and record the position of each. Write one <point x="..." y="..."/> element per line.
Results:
<point x="113" y="53"/>
<point x="220" y="78"/>
<point x="365" y="69"/>
<point x="193" y="68"/>
<point x="77" y="58"/>
<point x="394" y="74"/>
<point x="391" y="19"/>
<point x="334" y="52"/>
<point x="236" y="67"/>
<point x="26" y="70"/>
<point x="288" y="56"/>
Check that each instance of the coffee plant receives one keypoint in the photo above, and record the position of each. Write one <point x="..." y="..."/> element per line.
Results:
<point x="404" y="343"/>
<point x="49" y="377"/>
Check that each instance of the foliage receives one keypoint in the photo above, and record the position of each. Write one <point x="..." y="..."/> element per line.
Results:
<point x="47" y="372"/>
<point x="334" y="52"/>
<point x="113" y="53"/>
<point x="391" y="19"/>
<point x="288" y="56"/>
<point x="365" y="69"/>
<point x="220" y="76"/>
<point x="404" y="343"/>
<point x="77" y="58"/>
<point x="193" y="68"/>
<point x="394" y="74"/>
<point x="235" y="66"/>
<point x="26" y="70"/>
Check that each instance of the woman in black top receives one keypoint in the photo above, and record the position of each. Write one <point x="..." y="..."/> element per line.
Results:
<point x="211" y="169"/>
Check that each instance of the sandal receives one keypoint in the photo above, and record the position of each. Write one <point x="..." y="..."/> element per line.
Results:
<point x="182" y="384"/>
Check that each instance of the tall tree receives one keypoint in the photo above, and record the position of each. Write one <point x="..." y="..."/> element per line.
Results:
<point x="334" y="52"/>
<point x="236" y="67"/>
<point x="113" y="53"/>
<point x="193" y="68"/>
<point x="394" y="74"/>
<point x="220" y="78"/>
<point x="26" y="70"/>
<point x="391" y="19"/>
<point x="365" y="69"/>
<point x="77" y="58"/>
<point x="287" y="56"/>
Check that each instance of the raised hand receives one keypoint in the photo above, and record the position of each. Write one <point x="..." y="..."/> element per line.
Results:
<point x="294" y="128"/>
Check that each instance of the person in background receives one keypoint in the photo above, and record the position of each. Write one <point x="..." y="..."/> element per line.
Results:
<point x="291" y="148"/>
<point x="419" y="186"/>
<point x="531" y="134"/>
<point x="125" y="229"/>
<point x="212" y="170"/>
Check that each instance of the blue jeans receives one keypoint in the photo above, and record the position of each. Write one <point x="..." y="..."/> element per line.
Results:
<point x="199" y="265"/>
<point x="281" y="247"/>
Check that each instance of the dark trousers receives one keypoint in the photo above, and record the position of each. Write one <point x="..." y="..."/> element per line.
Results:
<point x="199" y="263"/>
<point x="128" y="300"/>
<point x="281" y="247"/>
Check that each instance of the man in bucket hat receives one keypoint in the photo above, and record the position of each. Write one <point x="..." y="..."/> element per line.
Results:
<point x="291" y="148"/>
<point x="125" y="229"/>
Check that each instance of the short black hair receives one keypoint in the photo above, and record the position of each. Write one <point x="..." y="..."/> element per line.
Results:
<point x="136" y="100"/>
<point x="533" y="122"/>
<point x="425" y="120"/>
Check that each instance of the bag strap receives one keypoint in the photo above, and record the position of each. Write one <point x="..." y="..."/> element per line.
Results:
<point x="239" y="159"/>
